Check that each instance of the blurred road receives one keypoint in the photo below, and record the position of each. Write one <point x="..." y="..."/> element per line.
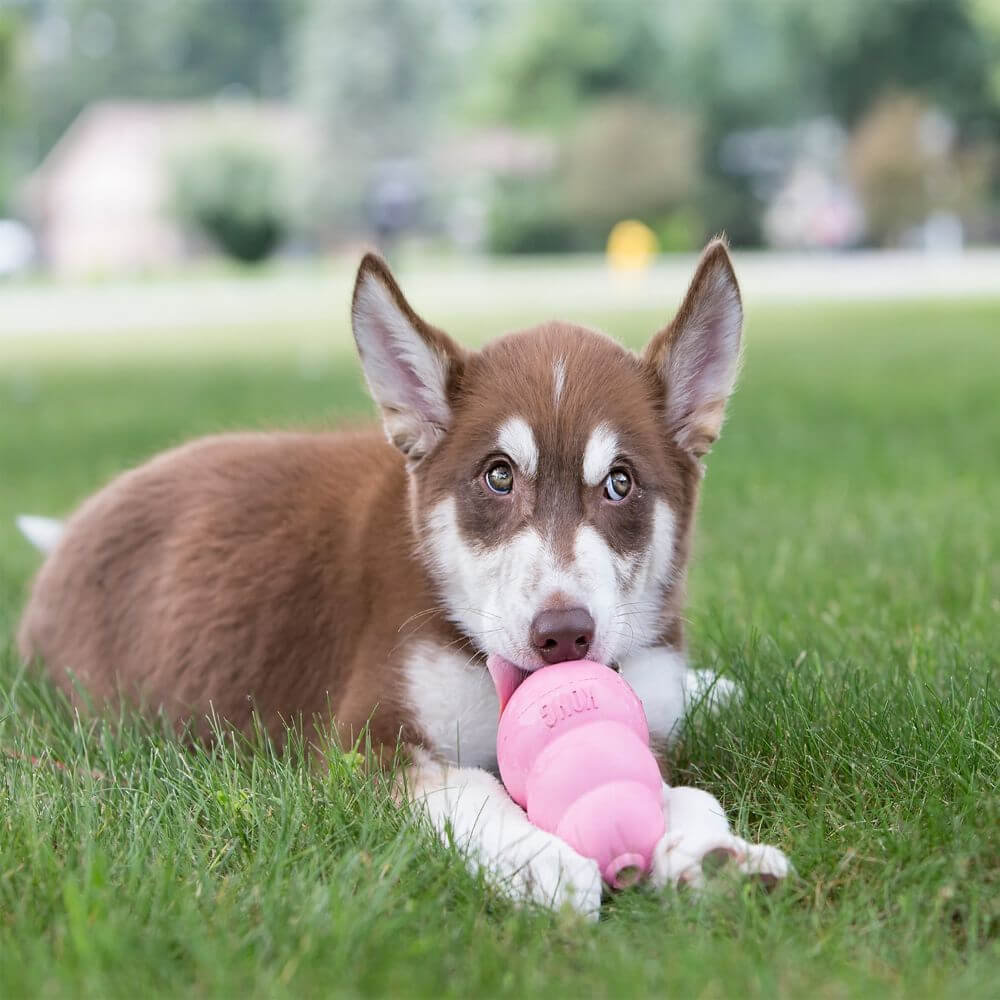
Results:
<point x="572" y="288"/>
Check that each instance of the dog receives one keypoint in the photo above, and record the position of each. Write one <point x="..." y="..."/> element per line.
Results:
<point x="533" y="503"/>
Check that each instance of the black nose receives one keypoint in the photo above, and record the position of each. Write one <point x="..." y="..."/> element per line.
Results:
<point x="562" y="634"/>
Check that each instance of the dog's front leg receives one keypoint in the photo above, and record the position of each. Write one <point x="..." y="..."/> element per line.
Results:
<point x="668" y="688"/>
<point x="698" y="838"/>
<point x="471" y="809"/>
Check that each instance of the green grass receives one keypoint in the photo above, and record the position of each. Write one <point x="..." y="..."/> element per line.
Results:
<point x="847" y="573"/>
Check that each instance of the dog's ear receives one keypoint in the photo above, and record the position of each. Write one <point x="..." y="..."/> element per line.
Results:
<point x="697" y="357"/>
<point x="410" y="366"/>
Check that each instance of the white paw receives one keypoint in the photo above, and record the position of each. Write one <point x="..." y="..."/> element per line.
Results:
<point x="558" y="877"/>
<point x="708" y="687"/>
<point x="694" y="862"/>
<point x="767" y="864"/>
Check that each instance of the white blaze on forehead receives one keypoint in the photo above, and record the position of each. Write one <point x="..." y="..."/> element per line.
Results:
<point x="558" y="379"/>
<point x="516" y="439"/>
<point x="600" y="453"/>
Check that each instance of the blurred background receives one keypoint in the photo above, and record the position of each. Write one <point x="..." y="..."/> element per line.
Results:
<point x="150" y="137"/>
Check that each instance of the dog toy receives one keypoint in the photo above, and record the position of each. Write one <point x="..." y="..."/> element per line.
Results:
<point x="573" y="751"/>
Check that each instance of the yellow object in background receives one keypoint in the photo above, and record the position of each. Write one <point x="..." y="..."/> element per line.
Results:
<point x="632" y="245"/>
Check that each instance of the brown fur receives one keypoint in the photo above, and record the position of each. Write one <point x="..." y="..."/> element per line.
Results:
<point x="267" y="571"/>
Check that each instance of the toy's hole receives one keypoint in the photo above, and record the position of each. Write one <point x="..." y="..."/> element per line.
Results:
<point x="628" y="877"/>
<point x="625" y="871"/>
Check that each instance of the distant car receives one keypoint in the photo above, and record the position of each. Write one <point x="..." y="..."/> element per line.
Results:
<point x="17" y="248"/>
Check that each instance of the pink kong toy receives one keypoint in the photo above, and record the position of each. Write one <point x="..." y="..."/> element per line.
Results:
<point x="573" y="750"/>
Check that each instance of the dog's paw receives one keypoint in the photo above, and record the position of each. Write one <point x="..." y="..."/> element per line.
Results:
<point x="557" y="877"/>
<point x="694" y="864"/>
<point x="766" y="864"/>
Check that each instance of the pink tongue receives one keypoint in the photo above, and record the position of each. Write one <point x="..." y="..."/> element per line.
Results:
<point x="506" y="677"/>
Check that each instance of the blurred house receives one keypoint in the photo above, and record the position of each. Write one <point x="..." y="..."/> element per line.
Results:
<point x="800" y="175"/>
<point x="100" y="201"/>
<point x="813" y="209"/>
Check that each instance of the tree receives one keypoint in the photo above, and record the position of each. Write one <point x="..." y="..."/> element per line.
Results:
<point x="10" y="104"/>
<point x="381" y="77"/>
<point x="744" y="64"/>
<point x="87" y="50"/>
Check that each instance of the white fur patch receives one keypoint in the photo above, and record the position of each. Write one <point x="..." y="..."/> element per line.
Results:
<point x="454" y="704"/>
<point x="43" y="532"/>
<point x="668" y="688"/>
<point x="661" y="678"/>
<point x="558" y="380"/>
<point x="516" y="439"/>
<point x="494" y="593"/>
<point x="599" y="455"/>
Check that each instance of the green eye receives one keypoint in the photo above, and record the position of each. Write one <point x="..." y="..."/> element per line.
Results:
<point x="500" y="478"/>
<point x="618" y="485"/>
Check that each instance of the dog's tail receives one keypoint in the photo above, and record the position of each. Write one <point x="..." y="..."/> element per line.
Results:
<point x="42" y="532"/>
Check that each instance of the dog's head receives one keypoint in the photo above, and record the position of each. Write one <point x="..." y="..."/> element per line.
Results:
<point x="554" y="474"/>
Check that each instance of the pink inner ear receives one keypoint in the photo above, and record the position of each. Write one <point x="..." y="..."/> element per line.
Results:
<point x="506" y="677"/>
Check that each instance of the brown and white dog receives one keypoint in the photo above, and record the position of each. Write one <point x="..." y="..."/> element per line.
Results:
<point x="535" y="501"/>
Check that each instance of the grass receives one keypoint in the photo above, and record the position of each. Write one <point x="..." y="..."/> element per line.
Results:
<point x="847" y="573"/>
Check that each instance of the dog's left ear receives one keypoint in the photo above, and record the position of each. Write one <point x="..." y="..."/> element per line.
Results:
<point x="411" y="367"/>
<point x="697" y="357"/>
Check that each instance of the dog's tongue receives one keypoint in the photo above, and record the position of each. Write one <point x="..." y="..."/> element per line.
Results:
<point x="506" y="677"/>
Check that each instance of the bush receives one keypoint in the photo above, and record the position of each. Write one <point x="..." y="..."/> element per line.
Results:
<point x="234" y="196"/>
<point x="908" y="162"/>
<point x="527" y="217"/>
<point x="627" y="159"/>
<point x="623" y="159"/>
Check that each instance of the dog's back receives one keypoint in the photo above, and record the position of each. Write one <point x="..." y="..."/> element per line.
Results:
<point x="238" y="564"/>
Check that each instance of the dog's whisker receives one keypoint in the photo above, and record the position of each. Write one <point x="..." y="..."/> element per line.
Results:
<point x="435" y="610"/>
<point x="478" y="611"/>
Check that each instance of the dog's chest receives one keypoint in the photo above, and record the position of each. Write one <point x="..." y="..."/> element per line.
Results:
<point x="454" y="704"/>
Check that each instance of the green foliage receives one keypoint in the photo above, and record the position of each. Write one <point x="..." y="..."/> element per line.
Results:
<point x="846" y="573"/>
<point x="380" y="78"/>
<point x="626" y="158"/>
<point x="680" y="231"/>
<point x="531" y="217"/>
<point x="735" y="65"/>
<point x="10" y="102"/>
<point x="553" y="58"/>
<point x="9" y="37"/>
<point x="623" y="159"/>
<point x="233" y="194"/>
<point x="153" y="50"/>
<point x="388" y="78"/>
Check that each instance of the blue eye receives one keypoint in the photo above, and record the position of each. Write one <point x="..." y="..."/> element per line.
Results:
<point x="500" y="478"/>
<point x="618" y="485"/>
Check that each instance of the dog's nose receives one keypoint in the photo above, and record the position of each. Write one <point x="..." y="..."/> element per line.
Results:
<point x="562" y="634"/>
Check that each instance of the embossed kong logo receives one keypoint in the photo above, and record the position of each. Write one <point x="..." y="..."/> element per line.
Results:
<point x="568" y="703"/>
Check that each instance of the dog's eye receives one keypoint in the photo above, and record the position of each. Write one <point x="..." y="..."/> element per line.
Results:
<point x="500" y="478"/>
<point x="618" y="485"/>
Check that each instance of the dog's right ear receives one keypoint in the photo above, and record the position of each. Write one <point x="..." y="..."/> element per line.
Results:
<point x="697" y="357"/>
<point x="410" y="366"/>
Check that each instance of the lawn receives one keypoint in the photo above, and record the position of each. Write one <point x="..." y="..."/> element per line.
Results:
<point x="847" y="573"/>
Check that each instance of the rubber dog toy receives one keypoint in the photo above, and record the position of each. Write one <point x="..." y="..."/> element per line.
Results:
<point x="573" y="751"/>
